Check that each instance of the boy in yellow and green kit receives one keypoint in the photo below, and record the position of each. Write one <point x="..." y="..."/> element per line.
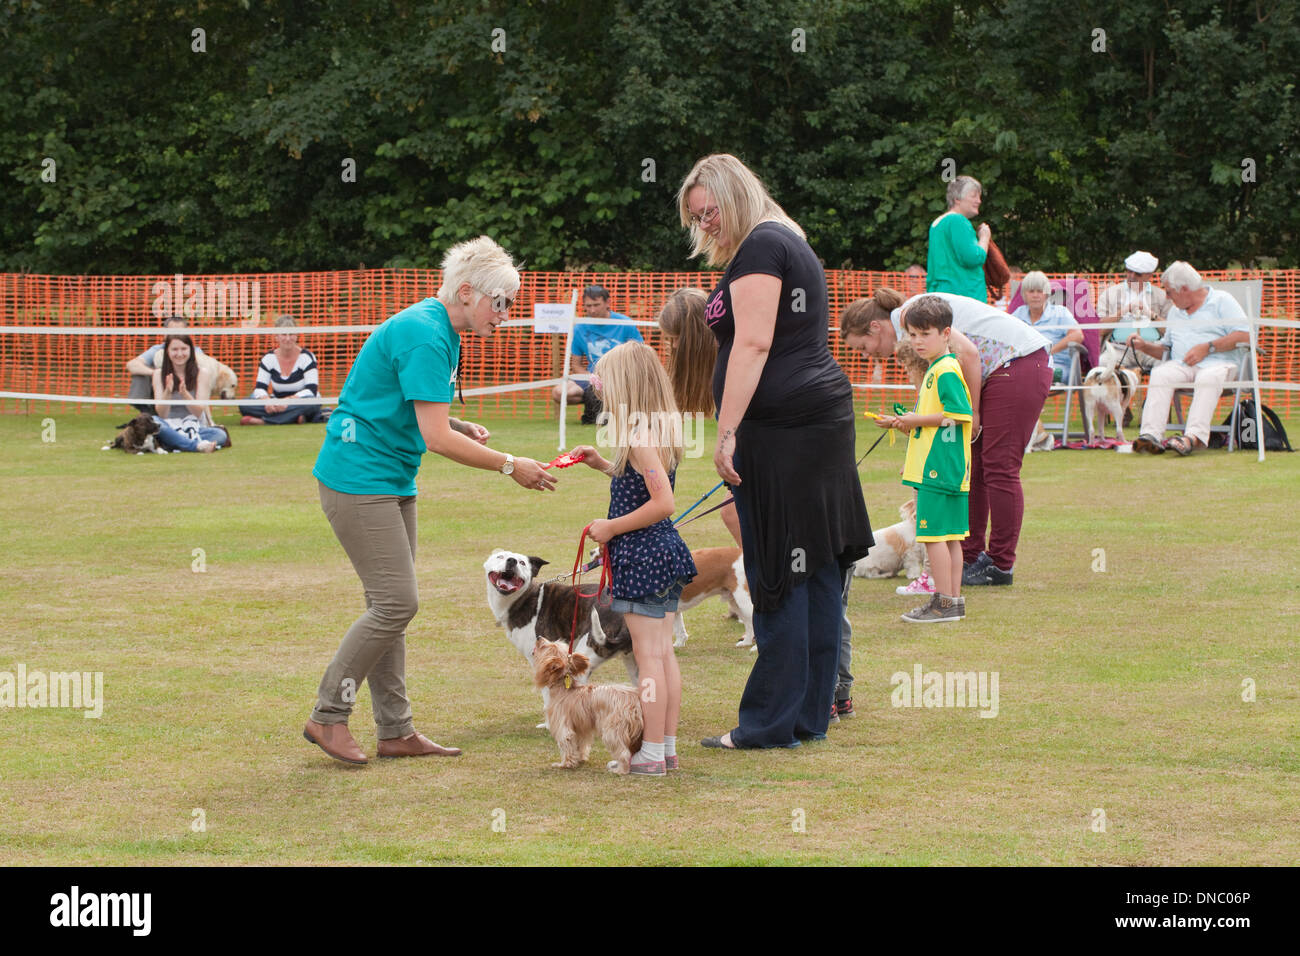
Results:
<point x="938" y="458"/>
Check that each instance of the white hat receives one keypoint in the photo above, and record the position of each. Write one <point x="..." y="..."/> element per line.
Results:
<point x="1141" y="263"/>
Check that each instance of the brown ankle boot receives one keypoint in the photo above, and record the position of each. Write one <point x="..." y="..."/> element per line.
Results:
<point x="335" y="740"/>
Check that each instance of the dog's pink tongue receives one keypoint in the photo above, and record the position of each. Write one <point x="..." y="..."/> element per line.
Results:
<point x="504" y="584"/>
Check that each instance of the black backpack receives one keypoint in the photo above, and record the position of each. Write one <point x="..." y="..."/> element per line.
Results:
<point x="1275" y="438"/>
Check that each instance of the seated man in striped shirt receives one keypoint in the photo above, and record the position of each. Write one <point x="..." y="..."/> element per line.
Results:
<point x="284" y="374"/>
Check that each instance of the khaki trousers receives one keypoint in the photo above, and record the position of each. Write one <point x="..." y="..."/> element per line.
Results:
<point x="378" y="534"/>
<point x="1207" y="382"/>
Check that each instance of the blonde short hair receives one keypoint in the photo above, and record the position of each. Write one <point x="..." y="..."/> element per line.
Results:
<point x="482" y="263"/>
<point x="638" y="405"/>
<point x="742" y="200"/>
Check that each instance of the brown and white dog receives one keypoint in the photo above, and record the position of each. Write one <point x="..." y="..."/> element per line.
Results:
<point x="1109" y="387"/>
<point x="137" y="437"/>
<point x="576" y="711"/>
<point x="719" y="572"/>
<point x="896" y="549"/>
<point x="531" y="610"/>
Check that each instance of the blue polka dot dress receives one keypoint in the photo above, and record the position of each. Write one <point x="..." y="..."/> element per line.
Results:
<point x="649" y="560"/>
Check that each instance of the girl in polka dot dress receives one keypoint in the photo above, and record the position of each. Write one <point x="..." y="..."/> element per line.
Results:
<point x="649" y="562"/>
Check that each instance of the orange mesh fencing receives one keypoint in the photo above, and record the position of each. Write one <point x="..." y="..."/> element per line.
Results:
<point x="93" y="364"/>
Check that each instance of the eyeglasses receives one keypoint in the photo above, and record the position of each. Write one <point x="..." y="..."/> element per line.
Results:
<point x="499" y="302"/>
<point x="705" y="217"/>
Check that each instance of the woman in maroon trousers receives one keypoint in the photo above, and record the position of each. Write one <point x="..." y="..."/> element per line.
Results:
<point x="1007" y="368"/>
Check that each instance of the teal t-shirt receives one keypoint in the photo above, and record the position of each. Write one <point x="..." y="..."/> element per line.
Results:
<point x="955" y="259"/>
<point x="373" y="444"/>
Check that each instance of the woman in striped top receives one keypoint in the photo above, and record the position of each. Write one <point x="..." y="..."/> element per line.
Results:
<point x="286" y="373"/>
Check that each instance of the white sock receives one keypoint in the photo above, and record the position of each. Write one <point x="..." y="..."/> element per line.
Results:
<point x="670" y="746"/>
<point x="650" y="753"/>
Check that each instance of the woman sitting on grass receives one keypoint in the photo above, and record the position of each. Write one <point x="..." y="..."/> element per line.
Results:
<point x="182" y="426"/>
<point x="287" y="372"/>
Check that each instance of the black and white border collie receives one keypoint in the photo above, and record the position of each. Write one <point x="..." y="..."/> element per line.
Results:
<point x="529" y="609"/>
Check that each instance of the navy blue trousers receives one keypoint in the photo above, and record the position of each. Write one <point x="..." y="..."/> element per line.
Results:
<point x="789" y="693"/>
<point x="311" y="413"/>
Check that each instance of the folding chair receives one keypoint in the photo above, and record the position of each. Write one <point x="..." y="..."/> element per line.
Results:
<point x="1248" y="294"/>
<point x="1076" y="295"/>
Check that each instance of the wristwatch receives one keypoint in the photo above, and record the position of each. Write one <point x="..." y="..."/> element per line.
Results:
<point x="1212" y="348"/>
<point x="508" y="468"/>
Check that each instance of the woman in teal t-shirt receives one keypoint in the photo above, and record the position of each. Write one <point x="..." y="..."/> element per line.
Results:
<point x="393" y="408"/>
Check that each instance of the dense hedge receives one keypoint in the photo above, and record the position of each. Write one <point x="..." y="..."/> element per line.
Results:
<point x="564" y="128"/>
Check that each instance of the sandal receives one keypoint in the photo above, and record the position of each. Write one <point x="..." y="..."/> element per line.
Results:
<point x="1181" y="444"/>
<point x="1149" y="443"/>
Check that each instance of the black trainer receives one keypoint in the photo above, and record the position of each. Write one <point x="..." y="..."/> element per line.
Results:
<point x="973" y="573"/>
<point x="995" y="575"/>
<point x="591" y="406"/>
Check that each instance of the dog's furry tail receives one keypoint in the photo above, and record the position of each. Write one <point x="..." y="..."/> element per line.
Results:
<point x="597" y="632"/>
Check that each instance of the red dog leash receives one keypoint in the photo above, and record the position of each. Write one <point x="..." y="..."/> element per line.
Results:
<point x="605" y="581"/>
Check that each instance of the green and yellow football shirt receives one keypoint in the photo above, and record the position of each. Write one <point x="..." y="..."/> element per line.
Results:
<point x="939" y="458"/>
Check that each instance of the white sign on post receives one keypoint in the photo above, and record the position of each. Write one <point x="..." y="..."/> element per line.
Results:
<point x="552" y="316"/>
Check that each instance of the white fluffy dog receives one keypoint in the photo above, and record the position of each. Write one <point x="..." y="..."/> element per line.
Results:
<point x="896" y="549"/>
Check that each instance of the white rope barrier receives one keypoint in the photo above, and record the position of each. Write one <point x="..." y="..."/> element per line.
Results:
<point x="236" y="402"/>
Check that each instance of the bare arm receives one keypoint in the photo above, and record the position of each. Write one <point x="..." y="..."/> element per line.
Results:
<point x="1154" y="349"/>
<point x="1224" y="343"/>
<point x="754" y="300"/>
<point x="441" y="439"/>
<point x="202" y="392"/>
<point x="162" y="411"/>
<point x="660" y="506"/>
<point x="471" y="430"/>
<point x="912" y="420"/>
<point x="1074" y="335"/>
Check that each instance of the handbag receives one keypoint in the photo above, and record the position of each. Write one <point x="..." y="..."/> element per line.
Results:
<point x="996" y="272"/>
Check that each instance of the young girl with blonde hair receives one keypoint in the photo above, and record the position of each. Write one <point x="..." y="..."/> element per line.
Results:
<point x="649" y="562"/>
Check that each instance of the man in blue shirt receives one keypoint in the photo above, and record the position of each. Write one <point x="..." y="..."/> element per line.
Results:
<point x="590" y="342"/>
<point x="1199" y="355"/>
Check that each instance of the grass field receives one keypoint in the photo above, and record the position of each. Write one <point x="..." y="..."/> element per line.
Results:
<point x="1121" y="691"/>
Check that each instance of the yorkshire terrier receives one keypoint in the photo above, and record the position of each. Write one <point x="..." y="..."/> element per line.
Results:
<point x="574" y="712"/>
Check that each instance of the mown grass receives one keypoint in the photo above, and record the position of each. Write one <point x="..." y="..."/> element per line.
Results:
<point x="1120" y="691"/>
